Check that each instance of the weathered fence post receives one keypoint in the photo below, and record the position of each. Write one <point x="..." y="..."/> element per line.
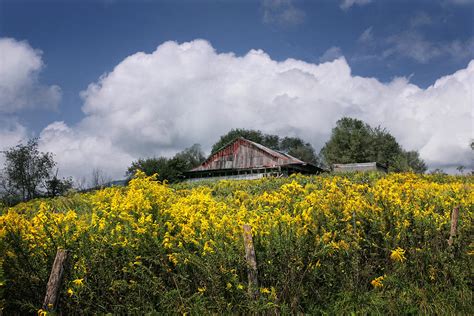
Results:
<point x="55" y="279"/>
<point x="454" y="225"/>
<point x="251" y="262"/>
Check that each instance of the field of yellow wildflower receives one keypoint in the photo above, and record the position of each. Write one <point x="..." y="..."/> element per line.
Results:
<point x="364" y="243"/>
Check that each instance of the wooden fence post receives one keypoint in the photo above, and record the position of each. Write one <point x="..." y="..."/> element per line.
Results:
<point x="454" y="225"/>
<point x="251" y="262"/>
<point x="55" y="279"/>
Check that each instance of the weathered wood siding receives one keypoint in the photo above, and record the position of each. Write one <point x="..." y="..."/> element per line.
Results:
<point x="241" y="154"/>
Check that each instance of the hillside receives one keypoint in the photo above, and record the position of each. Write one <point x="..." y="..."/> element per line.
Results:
<point x="364" y="243"/>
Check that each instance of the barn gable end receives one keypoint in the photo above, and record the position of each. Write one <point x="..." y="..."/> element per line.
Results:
<point x="243" y="153"/>
<point x="243" y="158"/>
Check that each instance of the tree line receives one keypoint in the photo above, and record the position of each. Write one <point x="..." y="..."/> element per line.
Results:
<point x="351" y="141"/>
<point x="29" y="173"/>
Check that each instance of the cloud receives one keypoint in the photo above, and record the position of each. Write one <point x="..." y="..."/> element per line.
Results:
<point x="331" y="54"/>
<point x="20" y="88"/>
<point x="414" y="45"/>
<point x="78" y="151"/>
<point x="282" y="12"/>
<point x="347" y="4"/>
<point x="158" y="103"/>
<point x="367" y="37"/>
<point x="413" y="42"/>
<point x="11" y="133"/>
<point x="420" y="19"/>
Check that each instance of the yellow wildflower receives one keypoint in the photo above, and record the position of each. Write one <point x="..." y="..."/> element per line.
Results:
<point x="78" y="282"/>
<point x="172" y="258"/>
<point x="398" y="255"/>
<point x="377" y="282"/>
<point x="70" y="292"/>
<point x="264" y="290"/>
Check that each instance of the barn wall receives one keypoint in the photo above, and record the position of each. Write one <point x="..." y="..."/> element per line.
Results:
<point x="239" y="155"/>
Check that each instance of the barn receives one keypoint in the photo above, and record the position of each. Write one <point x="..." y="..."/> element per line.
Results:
<point x="245" y="159"/>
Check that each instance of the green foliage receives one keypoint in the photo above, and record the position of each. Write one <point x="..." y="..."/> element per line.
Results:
<point x="293" y="146"/>
<point x="352" y="141"/>
<point x="150" y="166"/>
<point x="170" y="169"/>
<point x="190" y="157"/>
<point x="26" y="171"/>
<point x="270" y="141"/>
<point x="56" y="186"/>
<point x="408" y="161"/>
<point x="296" y="147"/>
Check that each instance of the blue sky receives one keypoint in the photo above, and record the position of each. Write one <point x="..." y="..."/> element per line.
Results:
<point x="81" y="41"/>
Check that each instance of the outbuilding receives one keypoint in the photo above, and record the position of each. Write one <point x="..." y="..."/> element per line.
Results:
<point x="245" y="159"/>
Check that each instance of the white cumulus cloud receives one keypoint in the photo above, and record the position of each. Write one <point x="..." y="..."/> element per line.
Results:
<point x="158" y="103"/>
<point x="11" y="134"/>
<point x="20" y="65"/>
<point x="331" y="54"/>
<point x="20" y="89"/>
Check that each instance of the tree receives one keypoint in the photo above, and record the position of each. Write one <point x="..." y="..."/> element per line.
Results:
<point x="254" y="135"/>
<point x="293" y="146"/>
<point x="149" y="166"/>
<point x="438" y="171"/>
<point x="56" y="186"/>
<point x="171" y="169"/>
<point x="26" y="171"/>
<point x="385" y="148"/>
<point x="98" y="178"/>
<point x="408" y="161"/>
<point x="296" y="147"/>
<point x="352" y="141"/>
<point x="191" y="157"/>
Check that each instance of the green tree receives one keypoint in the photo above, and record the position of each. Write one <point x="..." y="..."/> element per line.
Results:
<point x="352" y="141"/>
<point x="191" y="157"/>
<point x="26" y="171"/>
<point x="384" y="147"/>
<point x="150" y="166"/>
<point x="254" y="135"/>
<point x="408" y="161"/>
<point x="170" y="169"/>
<point x="57" y="186"/>
<point x="294" y="146"/>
